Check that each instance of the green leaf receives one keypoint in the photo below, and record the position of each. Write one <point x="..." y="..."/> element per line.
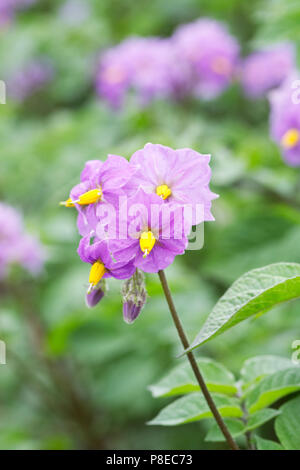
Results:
<point x="265" y="444"/>
<point x="193" y="407"/>
<point x="181" y="380"/>
<point x="255" y="368"/>
<point x="261" y="417"/>
<point x="273" y="387"/>
<point x="236" y="428"/>
<point x="287" y="424"/>
<point x="254" y="293"/>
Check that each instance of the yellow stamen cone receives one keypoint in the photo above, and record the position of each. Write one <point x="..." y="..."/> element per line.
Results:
<point x="147" y="242"/>
<point x="290" y="138"/>
<point x="67" y="203"/>
<point x="163" y="191"/>
<point x="90" y="197"/>
<point x="96" y="273"/>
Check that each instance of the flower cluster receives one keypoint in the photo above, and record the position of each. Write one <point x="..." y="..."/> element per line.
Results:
<point x="17" y="246"/>
<point x="200" y="59"/>
<point x="136" y="216"/>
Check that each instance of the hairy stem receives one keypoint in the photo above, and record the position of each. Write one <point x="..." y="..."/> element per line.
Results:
<point x="231" y="442"/>
<point x="248" y="434"/>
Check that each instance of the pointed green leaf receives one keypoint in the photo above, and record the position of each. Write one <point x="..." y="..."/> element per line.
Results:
<point x="261" y="417"/>
<point x="273" y="387"/>
<point x="181" y="380"/>
<point x="287" y="425"/>
<point x="265" y="444"/>
<point x="256" y="368"/>
<point x="193" y="407"/>
<point x="254" y="293"/>
<point x="235" y="426"/>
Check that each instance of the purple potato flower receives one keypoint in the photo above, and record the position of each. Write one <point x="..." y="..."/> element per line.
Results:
<point x="267" y="69"/>
<point x="99" y="190"/>
<point x="285" y="120"/>
<point x="103" y="265"/>
<point x="16" y="246"/>
<point x="90" y="168"/>
<point x="29" y="79"/>
<point x="149" y="66"/>
<point x="149" y="234"/>
<point x="180" y="177"/>
<point x="211" y="53"/>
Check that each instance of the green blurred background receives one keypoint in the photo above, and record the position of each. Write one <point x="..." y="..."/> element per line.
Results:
<point x="77" y="378"/>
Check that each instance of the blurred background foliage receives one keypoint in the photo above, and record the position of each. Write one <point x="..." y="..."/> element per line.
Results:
<point x="78" y="378"/>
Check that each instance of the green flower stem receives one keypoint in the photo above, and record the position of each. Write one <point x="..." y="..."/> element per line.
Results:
<point x="231" y="442"/>
<point x="248" y="434"/>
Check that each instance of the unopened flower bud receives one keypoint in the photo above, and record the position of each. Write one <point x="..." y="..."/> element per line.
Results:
<point x="134" y="296"/>
<point x="96" y="294"/>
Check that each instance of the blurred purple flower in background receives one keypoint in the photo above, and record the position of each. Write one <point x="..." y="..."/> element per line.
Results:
<point x="29" y="79"/>
<point x="285" y="120"/>
<point x="149" y="66"/>
<point x="16" y="246"/>
<point x="267" y="69"/>
<point x="30" y="254"/>
<point x="200" y="59"/>
<point x="211" y="53"/>
<point x="8" y="9"/>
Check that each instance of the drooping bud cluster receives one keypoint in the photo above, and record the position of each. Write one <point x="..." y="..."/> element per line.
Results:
<point x="134" y="296"/>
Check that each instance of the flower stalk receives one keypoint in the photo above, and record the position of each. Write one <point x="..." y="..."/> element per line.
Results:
<point x="231" y="442"/>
